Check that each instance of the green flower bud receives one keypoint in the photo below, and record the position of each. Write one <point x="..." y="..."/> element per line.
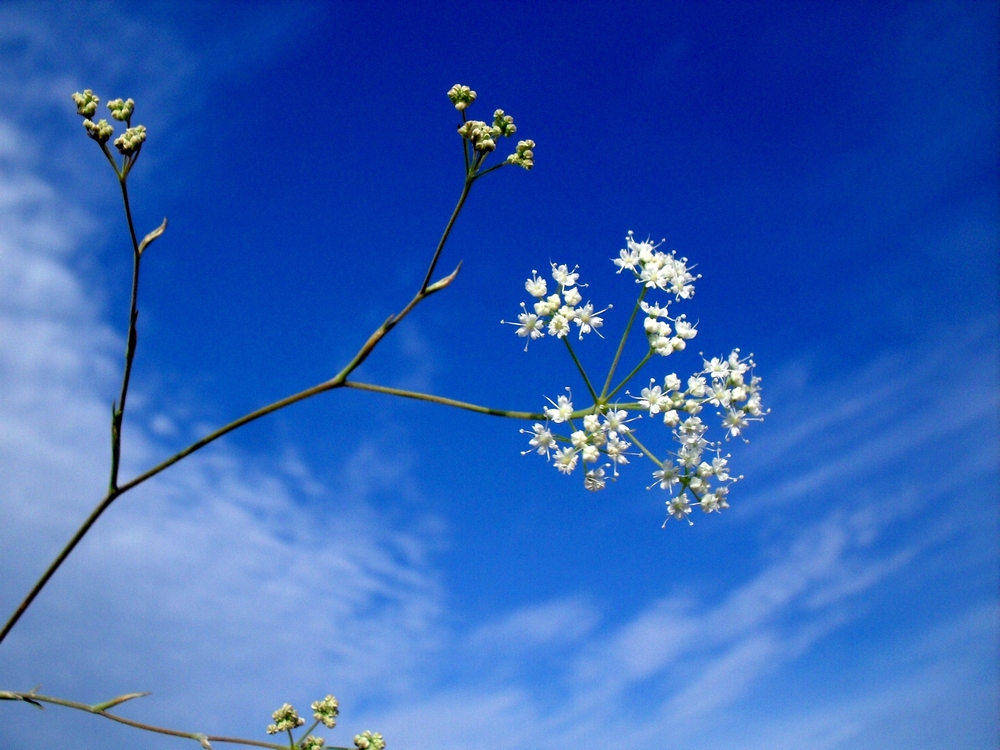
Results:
<point x="100" y="131"/>
<point x="86" y="103"/>
<point x="461" y="96"/>
<point x="504" y="123"/>
<point x="131" y="140"/>
<point x="524" y="156"/>
<point x="326" y="711"/>
<point x="286" y="718"/>
<point x="369" y="741"/>
<point x="121" y="110"/>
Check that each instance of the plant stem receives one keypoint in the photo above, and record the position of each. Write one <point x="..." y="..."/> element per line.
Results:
<point x="621" y="347"/>
<point x="115" y="491"/>
<point x="118" y="411"/>
<point x="635" y="371"/>
<point x="196" y="736"/>
<point x="469" y="179"/>
<point x="645" y="450"/>
<point x="444" y="401"/>
<point x="579" y="367"/>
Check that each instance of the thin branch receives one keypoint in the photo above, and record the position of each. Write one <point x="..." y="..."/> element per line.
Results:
<point x="116" y="491"/>
<point x="444" y="401"/>
<point x="199" y="737"/>
<point x="118" y="413"/>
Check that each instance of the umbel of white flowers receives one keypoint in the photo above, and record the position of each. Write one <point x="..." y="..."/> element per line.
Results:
<point x="600" y="435"/>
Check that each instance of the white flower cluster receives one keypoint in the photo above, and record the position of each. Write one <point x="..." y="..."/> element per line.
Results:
<point x="664" y="271"/>
<point x="599" y="436"/>
<point x="559" y="311"/>
<point x="730" y="386"/>
<point x="603" y="435"/>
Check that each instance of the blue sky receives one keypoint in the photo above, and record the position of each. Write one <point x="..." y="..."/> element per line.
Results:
<point x="831" y="168"/>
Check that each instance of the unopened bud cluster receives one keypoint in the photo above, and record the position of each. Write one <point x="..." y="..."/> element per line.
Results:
<point x="326" y="711"/>
<point x="369" y="741"/>
<point x="129" y="142"/>
<point x="483" y="136"/>
<point x="461" y="96"/>
<point x="600" y="436"/>
<point x="285" y="718"/>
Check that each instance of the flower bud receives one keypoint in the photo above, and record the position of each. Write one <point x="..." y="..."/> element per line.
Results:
<point x="121" y="110"/>
<point x="100" y="131"/>
<point x="131" y="140"/>
<point x="86" y="103"/>
<point x="461" y="96"/>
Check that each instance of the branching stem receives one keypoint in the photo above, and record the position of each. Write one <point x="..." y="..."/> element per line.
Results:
<point x="199" y="737"/>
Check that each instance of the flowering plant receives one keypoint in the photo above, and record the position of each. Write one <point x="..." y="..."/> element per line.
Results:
<point x="601" y="435"/>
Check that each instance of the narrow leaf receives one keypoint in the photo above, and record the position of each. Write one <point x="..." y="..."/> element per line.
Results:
<point x="115" y="701"/>
<point x="148" y="239"/>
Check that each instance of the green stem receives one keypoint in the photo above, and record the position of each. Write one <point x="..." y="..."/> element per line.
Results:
<point x="645" y="450"/>
<point x="118" y="411"/>
<point x="621" y="346"/>
<point x="447" y="231"/>
<point x="635" y="371"/>
<point x="444" y="401"/>
<point x="495" y="167"/>
<point x="579" y="367"/>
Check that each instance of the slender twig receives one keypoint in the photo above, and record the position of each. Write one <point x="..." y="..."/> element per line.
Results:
<point x="445" y="401"/>
<point x="118" y="410"/>
<point x="469" y="179"/>
<point x="621" y="347"/>
<point x="196" y="736"/>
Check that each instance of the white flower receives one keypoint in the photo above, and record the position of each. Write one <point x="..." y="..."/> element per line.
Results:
<point x="671" y="418"/>
<point x="717" y="368"/>
<point x="591" y="453"/>
<point x="679" y="507"/>
<point x="654" y="311"/>
<point x="563" y="276"/>
<point x="734" y="421"/>
<point x="536" y="286"/>
<point x="578" y="439"/>
<point x="572" y="296"/>
<point x="548" y="305"/>
<point x="654" y="399"/>
<point x="561" y="410"/>
<point x="709" y="502"/>
<point x="558" y="326"/>
<point x="588" y="320"/>
<point x="684" y="329"/>
<point x="592" y="423"/>
<point x="696" y="386"/>
<point x="615" y="421"/>
<point x="667" y="476"/>
<point x="615" y="449"/>
<point x="543" y="441"/>
<point x="627" y="259"/>
<point x="566" y="460"/>
<point x="594" y="479"/>
<point x="671" y="382"/>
